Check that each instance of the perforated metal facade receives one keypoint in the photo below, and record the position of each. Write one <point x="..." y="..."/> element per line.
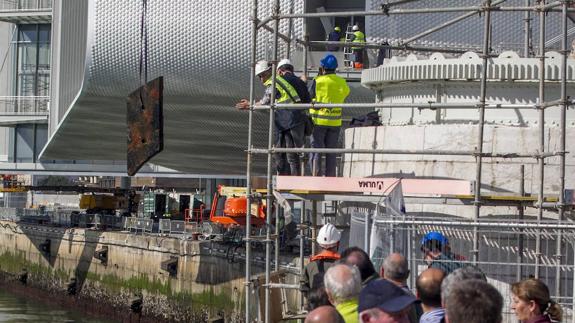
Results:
<point x="202" y="48"/>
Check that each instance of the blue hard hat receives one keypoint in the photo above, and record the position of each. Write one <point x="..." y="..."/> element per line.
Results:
<point x="328" y="62"/>
<point x="434" y="235"/>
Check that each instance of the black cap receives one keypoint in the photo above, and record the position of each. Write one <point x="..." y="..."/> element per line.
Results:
<point x="384" y="295"/>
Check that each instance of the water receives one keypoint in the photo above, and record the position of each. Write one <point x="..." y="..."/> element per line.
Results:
<point x="16" y="309"/>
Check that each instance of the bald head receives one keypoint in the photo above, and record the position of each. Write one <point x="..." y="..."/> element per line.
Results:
<point x="395" y="268"/>
<point x="428" y="286"/>
<point x="324" y="314"/>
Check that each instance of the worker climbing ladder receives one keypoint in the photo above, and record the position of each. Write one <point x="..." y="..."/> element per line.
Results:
<point x="347" y="51"/>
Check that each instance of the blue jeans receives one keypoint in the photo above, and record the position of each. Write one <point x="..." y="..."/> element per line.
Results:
<point x="289" y="164"/>
<point x="324" y="137"/>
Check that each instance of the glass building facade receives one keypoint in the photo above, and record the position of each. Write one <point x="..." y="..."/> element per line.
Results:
<point x="33" y="66"/>
<point x="31" y="88"/>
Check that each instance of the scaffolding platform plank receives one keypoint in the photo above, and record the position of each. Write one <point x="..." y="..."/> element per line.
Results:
<point x="443" y="187"/>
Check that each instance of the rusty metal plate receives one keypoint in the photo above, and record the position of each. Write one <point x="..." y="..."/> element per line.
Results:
<point x="145" y="124"/>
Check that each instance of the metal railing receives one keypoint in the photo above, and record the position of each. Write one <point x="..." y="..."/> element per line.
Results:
<point x="72" y="218"/>
<point x="25" y="5"/>
<point x="25" y="105"/>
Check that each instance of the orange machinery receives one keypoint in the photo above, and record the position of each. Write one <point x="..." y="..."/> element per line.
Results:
<point x="229" y="208"/>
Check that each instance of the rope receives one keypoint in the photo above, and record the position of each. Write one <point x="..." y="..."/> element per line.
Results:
<point x="143" y="48"/>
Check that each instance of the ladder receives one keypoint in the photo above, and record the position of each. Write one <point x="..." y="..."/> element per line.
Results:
<point x="347" y="51"/>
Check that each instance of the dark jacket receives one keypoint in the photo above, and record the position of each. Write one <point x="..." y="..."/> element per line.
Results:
<point x="333" y="36"/>
<point x="314" y="271"/>
<point x="415" y="309"/>
<point x="289" y="118"/>
<point x="446" y="262"/>
<point x="369" y="279"/>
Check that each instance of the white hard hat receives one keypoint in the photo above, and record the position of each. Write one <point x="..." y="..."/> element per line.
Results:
<point x="283" y="62"/>
<point x="328" y="236"/>
<point x="261" y="67"/>
<point x="355" y="28"/>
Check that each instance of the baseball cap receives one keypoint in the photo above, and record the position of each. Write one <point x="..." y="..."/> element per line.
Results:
<point x="384" y="295"/>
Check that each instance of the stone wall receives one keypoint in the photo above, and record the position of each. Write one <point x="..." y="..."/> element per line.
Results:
<point x="205" y="286"/>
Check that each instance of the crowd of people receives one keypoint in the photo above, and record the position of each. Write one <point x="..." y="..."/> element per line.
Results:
<point x="348" y="288"/>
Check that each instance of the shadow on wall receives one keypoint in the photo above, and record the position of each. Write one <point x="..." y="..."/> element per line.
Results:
<point x="213" y="272"/>
<point x="48" y="242"/>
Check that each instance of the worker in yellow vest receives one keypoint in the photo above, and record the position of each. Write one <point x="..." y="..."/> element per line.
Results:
<point x="289" y="124"/>
<point x="327" y="87"/>
<point x="358" y="37"/>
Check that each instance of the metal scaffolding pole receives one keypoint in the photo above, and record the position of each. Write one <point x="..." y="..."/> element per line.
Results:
<point x="397" y="3"/>
<point x="541" y="161"/>
<point x="427" y="105"/>
<point x="277" y="238"/>
<point x="269" y="197"/>
<point x="549" y="7"/>
<point x="249" y="159"/>
<point x="301" y="250"/>
<point x="398" y="47"/>
<point x="313" y="227"/>
<point x="482" y="100"/>
<point x="527" y="26"/>
<point x="285" y="38"/>
<point x="563" y="122"/>
<point x="481" y="224"/>
<point x="400" y="152"/>
<point x="290" y="31"/>
<point x="573" y="288"/>
<point x="306" y="43"/>
<point x="520" y="242"/>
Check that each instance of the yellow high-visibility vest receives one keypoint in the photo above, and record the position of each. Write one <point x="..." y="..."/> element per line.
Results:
<point x="359" y="38"/>
<point x="287" y="91"/>
<point x="329" y="88"/>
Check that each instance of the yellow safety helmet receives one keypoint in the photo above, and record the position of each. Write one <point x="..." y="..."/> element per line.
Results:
<point x="337" y="28"/>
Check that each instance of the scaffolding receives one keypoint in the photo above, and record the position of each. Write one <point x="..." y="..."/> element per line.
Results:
<point x="539" y="8"/>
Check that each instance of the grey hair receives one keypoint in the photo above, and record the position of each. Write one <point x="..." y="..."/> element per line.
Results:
<point x="342" y="286"/>
<point x="474" y="301"/>
<point x="465" y="273"/>
<point x="395" y="270"/>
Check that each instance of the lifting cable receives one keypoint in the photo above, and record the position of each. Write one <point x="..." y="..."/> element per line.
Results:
<point x="143" y="48"/>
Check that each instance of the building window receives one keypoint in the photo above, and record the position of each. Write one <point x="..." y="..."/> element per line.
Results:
<point x="32" y="4"/>
<point x="29" y="141"/>
<point x="33" y="67"/>
<point x="32" y="81"/>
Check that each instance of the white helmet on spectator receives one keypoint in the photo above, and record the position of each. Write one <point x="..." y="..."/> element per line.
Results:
<point x="262" y="66"/>
<point x="328" y="236"/>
